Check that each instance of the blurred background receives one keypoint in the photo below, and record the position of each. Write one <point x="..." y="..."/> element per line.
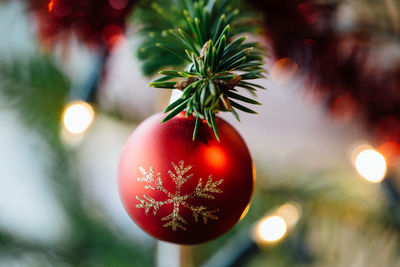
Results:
<point x="326" y="141"/>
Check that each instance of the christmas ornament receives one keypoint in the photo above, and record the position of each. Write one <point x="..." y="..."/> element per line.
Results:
<point x="98" y="23"/>
<point x="184" y="191"/>
<point x="190" y="179"/>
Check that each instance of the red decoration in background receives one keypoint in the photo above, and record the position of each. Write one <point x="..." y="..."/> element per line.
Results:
<point x="342" y="69"/>
<point x="51" y="4"/>
<point x="185" y="191"/>
<point x="96" y="22"/>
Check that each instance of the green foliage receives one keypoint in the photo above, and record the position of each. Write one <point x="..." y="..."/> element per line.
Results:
<point x="37" y="90"/>
<point x="159" y="17"/>
<point x="37" y="87"/>
<point x="202" y="36"/>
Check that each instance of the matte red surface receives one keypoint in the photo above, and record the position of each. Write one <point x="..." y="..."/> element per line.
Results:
<point x="155" y="144"/>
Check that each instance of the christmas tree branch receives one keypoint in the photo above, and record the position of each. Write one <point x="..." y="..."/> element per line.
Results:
<point x="217" y="63"/>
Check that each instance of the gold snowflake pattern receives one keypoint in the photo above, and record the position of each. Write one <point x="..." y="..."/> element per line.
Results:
<point x="174" y="219"/>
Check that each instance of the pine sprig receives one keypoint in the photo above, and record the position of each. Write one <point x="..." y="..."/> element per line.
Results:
<point x="217" y="63"/>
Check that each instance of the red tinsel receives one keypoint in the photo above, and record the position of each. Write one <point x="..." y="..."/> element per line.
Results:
<point x="96" y="22"/>
<point x="342" y="69"/>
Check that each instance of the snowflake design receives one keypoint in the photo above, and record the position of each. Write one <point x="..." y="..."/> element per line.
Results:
<point x="175" y="220"/>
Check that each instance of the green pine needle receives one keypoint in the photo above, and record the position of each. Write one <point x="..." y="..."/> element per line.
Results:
<point x="214" y="124"/>
<point x="196" y="128"/>
<point x="174" y="105"/>
<point x="243" y="98"/>
<point x="176" y="111"/>
<point x="235" y="115"/>
<point x="169" y="85"/>
<point x="242" y="108"/>
<point x="201" y="36"/>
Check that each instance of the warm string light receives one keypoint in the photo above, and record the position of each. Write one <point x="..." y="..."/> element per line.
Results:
<point x="272" y="229"/>
<point x="275" y="226"/>
<point x="370" y="164"/>
<point x="77" y="117"/>
<point x="76" y="120"/>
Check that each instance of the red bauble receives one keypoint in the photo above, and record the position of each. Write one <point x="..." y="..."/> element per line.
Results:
<point x="185" y="191"/>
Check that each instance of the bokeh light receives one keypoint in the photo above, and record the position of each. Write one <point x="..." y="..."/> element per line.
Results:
<point x="271" y="229"/>
<point x="77" y="117"/>
<point x="276" y="224"/>
<point x="391" y="151"/>
<point x="290" y="212"/>
<point x="371" y="165"/>
<point x="283" y="70"/>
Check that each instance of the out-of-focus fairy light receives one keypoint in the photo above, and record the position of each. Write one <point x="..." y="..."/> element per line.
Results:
<point x="283" y="70"/>
<point x="272" y="229"/>
<point x="391" y="151"/>
<point x="370" y="164"/>
<point x="276" y="225"/>
<point x="290" y="212"/>
<point x="112" y="34"/>
<point x="344" y="108"/>
<point x="77" y="117"/>
<point x="51" y="5"/>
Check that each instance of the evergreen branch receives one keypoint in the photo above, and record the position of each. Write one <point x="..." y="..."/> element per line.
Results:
<point x="204" y="39"/>
<point x="172" y="50"/>
<point x="38" y="90"/>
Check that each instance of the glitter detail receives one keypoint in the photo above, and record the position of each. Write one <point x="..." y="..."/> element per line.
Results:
<point x="174" y="219"/>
